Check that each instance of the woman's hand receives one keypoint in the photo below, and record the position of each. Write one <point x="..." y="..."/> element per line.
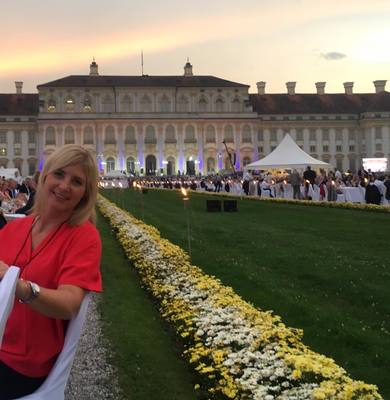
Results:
<point x="3" y="269"/>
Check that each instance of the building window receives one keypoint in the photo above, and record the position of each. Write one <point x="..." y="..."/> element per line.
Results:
<point x="325" y="148"/>
<point x="351" y="136"/>
<point x="378" y="132"/>
<point x="325" y="134"/>
<point x="3" y="137"/>
<point x="170" y="136"/>
<point x="130" y="135"/>
<point x="69" y="104"/>
<point x="110" y="164"/>
<point x="210" y="164"/>
<point x="18" y="137"/>
<point x="300" y="134"/>
<point x="51" y="105"/>
<point x="165" y="104"/>
<point x="313" y="149"/>
<point x="31" y="151"/>
<point x="236" y="105"/>
<point x="88" y="135"/>
<point x="183" y="104"/>
<point x="31" y="137"/>
<point x="146" y="104"/>
<point x="127" y="104"/>
<point x="17" y="151"/>
<point x="339" y="148"/>
<point x="273" y="148"/>
<point x="108" y="104"/>
<point x="219" y="105"/>
<point x="246" y="135"/>
<point x="352" y="147"/>
<point x="69" y="135"/>
<point x="50" y="136"/>
<point x="378" y="146"/>
<point x="203" y="105"/>
<point x="87" y="104"/>
<point x="260" y="149"/>
<point x="3" y="151"/>
<point x="210" y="134"/>
<point x="32" y="166"/>
<point x="339" y="135"/>
<point x="150" y="135"/>
<point x="260" y="136"/>
<point x="110" y="135"/>
<point x="273" y="136"/>
<point x="312" y="135"/>
<point x="228" y="134"/>
<point x="190" y="134"/>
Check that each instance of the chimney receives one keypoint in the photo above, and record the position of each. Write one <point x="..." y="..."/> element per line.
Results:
<point x="19" y="86"/>
<point x="320" y="87"/>
<point x="291" y="87"/>
<point x="93" y="68"/>
<point x="260" y="87"/>
<point x="188" y="69"/>
<point x="379" y="86"/>
<point x="348" y="87"/>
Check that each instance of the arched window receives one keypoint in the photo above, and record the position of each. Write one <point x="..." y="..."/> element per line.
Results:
<point x="171" y="166"/>
<point x="183" y="104"/>
<point x="246" y="161"/>
<point x="108" y="104"/>
<point x="165" y="104"/>
<point x="110" y="135"/>
<point x="210" y="134"/>
<point x="110" y="164"/>
<point x="146" y="104"/>
<point x="87" y="103"/>
<point x="130" y="165"/>
<point x="18" y="163"/>
<point x="3" y="162"/>
<point x="50" y="138"/>
<point x="170" y="136"/>
<point x="69" y="135"/>
<point x="228" y="135"/>
<point x="130" y="135"/>
<point x="236" y="105"/>
<point x="127" y="104"/>
<point x="219" y="105"/>
<point x="211" y="164"/>
<point x="69" y="104"/>
<point x="190" y="134"/>
<point x="51" y="105"/>
<point x="203" y="105"/>
<point x="150" y="135"/>
<point x="246" y="134"/>
<point x="150" y="165"/>
<point x="88" y="135"/>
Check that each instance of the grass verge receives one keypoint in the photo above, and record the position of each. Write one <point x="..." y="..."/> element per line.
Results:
<point x="145" y="352"/>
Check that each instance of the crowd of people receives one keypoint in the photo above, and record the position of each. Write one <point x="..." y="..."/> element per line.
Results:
<point x="306" y="185"/>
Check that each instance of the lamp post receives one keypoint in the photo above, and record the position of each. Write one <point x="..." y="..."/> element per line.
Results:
<point x="186" y="203"/>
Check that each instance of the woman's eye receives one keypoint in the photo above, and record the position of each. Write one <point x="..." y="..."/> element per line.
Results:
<point x="58" y="173"/>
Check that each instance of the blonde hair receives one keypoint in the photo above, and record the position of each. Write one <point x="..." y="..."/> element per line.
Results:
<point x="71" y="154"/>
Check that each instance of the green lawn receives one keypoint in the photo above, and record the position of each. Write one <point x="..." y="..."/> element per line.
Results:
<point x="145" y="351"/>
<point x="323" y="270"/>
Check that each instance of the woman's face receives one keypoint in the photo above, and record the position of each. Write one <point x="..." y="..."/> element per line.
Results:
<point x="64" y="188"/>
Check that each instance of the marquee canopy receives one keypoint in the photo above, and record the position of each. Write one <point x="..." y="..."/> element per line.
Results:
<point x="287" y="155"/>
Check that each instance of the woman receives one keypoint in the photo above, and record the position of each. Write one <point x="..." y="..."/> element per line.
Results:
<point x="58" y="251"/>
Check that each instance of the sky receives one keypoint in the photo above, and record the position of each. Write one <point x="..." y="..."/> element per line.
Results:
<point x="246" y="41"/>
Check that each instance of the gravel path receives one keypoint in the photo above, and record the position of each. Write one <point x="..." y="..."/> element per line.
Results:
<point x="92" y="375"/>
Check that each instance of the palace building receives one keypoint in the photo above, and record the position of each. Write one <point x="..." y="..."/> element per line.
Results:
<point x="185" y="124"/>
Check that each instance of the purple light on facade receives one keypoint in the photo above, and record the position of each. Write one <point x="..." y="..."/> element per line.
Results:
<point x="219" y="162"/>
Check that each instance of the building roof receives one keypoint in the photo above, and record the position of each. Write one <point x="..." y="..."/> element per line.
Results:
<point x="320" y="104"/>
<point x="19" y="104"/>
<point x="141" y="81"/>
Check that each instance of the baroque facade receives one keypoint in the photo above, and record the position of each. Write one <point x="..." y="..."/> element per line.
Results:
<point x="185" y="124"/>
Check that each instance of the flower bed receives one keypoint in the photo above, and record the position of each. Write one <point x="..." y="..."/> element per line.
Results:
<point x="240" y="352"/>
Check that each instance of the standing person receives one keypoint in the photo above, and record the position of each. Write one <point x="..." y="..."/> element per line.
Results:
<point x="309" y="176"/>
<point x="295" y="180"/>
<point x="58" y="251"/>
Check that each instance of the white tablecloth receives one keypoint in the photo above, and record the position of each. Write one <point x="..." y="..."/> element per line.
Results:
<point x="354" y="194"/>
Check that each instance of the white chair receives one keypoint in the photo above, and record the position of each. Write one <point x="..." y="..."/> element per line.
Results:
<point x="55" y="384"/>
<point x="7" y="296"/>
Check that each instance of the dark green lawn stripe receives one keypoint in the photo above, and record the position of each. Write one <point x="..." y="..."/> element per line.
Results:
<point x="145" y="351"/>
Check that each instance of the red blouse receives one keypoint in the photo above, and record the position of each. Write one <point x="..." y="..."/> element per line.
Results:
<point x="32" y="341"/>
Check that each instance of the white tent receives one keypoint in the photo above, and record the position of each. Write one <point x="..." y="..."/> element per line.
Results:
<point x="287" y="155"/>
